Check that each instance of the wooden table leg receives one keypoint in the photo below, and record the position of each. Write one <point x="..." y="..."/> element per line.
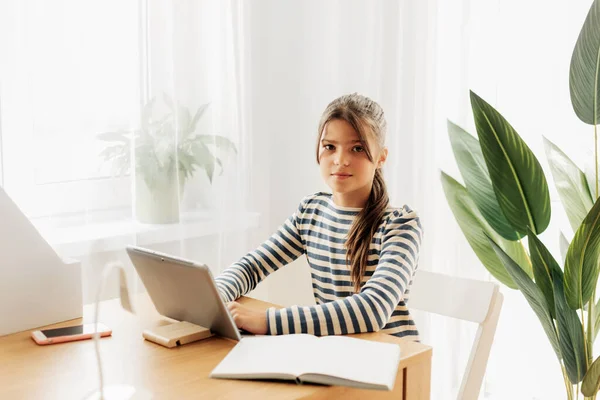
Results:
<point x="417" y="381"/>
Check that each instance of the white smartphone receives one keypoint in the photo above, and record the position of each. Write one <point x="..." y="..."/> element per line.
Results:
<point x="69" y="333"/>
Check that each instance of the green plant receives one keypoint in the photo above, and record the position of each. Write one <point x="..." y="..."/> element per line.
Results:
<point x="506" y="198"/>
<point x="165" y="145"/>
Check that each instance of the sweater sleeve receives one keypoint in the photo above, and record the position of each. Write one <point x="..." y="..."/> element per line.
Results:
<point x="283" y="247"/>
<point x="371" y="309"/>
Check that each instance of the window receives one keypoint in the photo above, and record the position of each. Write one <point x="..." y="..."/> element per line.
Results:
<point x="69" y="71"/>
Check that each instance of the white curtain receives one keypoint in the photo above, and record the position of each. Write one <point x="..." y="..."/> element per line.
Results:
<point x="127" y="123"/>
<point x="69" y="71"/>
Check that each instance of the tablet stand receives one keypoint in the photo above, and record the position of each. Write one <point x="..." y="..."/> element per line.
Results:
<point x="176" y="334"/>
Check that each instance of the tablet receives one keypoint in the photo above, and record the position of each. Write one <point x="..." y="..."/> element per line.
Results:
<point x="183" y="290"/>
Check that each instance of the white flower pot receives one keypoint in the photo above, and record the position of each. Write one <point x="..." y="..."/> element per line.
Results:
<point x="158" y="204"/>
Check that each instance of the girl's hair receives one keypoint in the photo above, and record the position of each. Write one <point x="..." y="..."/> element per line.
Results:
<point x="367" y="119"/>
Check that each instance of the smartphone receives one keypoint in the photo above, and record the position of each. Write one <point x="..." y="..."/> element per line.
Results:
<point x="69" y="333"/>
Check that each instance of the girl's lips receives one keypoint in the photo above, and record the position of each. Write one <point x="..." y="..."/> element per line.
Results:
<point x="341" y="176"/>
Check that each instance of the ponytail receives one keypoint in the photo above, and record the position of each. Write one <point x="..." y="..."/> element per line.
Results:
<point x="364" y="227"/>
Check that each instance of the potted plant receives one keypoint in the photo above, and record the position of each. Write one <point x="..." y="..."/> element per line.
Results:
<point x="166" y="152"/>
<point x="505" y="199"/>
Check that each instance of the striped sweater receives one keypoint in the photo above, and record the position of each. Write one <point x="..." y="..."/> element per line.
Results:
<point x="319" y="229"/>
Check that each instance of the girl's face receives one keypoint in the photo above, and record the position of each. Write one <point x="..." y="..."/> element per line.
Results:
<point x="344" y="163"/>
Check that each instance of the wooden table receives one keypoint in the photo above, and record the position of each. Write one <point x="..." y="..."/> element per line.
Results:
<point x="69" y="370"/>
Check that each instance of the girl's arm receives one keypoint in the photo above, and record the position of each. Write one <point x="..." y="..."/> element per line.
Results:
<point x="283" y="247"/>
<point x="371" y="309"/>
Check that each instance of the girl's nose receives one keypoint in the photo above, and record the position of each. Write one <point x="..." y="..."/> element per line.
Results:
<point x="339" y="160"/>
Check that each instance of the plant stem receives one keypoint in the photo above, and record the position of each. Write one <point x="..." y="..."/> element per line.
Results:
<point x="592" y="304"/>
<point x="589" y="340"/>
<point x="568" y="385"/>
<point x="585" y="347"/>
<point x="596" y="156"/>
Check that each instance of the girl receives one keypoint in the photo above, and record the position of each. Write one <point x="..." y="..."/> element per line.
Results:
<point x="362" y="253"/>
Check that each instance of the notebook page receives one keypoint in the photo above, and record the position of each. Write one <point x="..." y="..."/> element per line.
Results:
<point x="268" y="356"/>
<point x="358" y="360"/>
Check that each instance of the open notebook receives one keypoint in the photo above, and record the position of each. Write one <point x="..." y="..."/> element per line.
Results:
<point x="328" y="360"/>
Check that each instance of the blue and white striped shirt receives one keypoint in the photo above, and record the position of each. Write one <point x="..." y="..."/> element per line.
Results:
<point x="319" y="229"/>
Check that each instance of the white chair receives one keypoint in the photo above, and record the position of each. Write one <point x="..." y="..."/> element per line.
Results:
<point x="468" y="300"/>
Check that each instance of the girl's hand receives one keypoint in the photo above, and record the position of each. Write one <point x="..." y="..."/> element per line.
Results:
<point x="247" y="319"/>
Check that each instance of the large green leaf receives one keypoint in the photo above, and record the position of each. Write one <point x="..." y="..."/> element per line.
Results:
<point x="581" y="265"/>
<point x="533" y="295"/>
<point x="596" y="320"/>
<point x="563" y="244"/>
<point x="543" y="266"/>
<point x="585" y="69"/>
<point x="475" y="228"/>
<point x="516" y="174"/>
<point x="477" y="180"/>
<point x="591" y="174"/>
<point x="571" y="184"/>
<point x="570" y="333"/>
<point x="591" y="380"/>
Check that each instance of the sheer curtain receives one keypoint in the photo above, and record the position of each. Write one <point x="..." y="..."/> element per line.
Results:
<point x="127" y="123"/>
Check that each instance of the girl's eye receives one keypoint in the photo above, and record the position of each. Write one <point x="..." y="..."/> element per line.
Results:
<point x="328" y="147"/>
<point x="358" y="149"/>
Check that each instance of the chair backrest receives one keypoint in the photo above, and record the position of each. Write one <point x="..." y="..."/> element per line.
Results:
<point x="464" y="299"/>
